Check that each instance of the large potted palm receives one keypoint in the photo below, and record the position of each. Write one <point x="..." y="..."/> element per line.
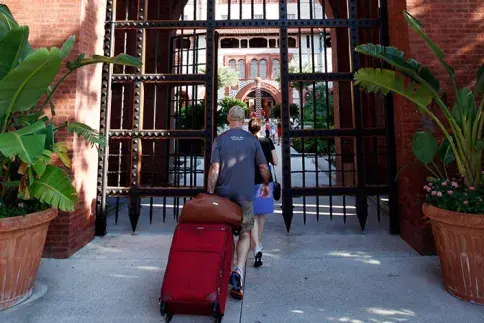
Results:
<point x="454" y="200"/>
<point x="32" y="188"/>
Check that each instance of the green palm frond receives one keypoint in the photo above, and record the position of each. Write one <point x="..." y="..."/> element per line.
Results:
<point x="54" y="187"/>
<point x="386" y="81"/>
<point x="410" y="67"/>
<point x="86" y="132"/>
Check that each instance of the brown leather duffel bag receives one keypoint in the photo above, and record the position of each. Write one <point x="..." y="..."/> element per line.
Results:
<point x="211" y="208"/>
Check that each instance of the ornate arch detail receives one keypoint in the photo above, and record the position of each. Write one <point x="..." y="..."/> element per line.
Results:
<point x="243" y="92"/>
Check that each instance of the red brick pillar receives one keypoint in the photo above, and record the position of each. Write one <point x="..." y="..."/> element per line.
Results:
<point x="456" y="26"/>
<point x="51" y="22"/>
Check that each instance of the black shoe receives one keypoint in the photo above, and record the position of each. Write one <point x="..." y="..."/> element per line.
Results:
<point x="258" y="260"/>
<point x="237" y="291"/>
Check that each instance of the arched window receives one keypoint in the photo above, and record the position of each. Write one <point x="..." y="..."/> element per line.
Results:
<point x="241" y="67"/>
<point x="253" y="69"/>
<point x="232" y="64"/>
<point x="258" y="43"/>
<point x="275" y="69"/>
<point x="291" y="42"/>
<point x="229" y="43"/>
<point x="263" y="69"/>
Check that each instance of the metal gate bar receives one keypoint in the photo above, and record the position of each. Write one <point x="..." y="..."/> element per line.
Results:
<point x="140" y="24"/>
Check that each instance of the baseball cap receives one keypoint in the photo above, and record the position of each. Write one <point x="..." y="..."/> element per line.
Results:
<point x="236" y="113"/>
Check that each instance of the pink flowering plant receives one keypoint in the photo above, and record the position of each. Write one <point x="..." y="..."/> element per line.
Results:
<point x="454" y="195"/>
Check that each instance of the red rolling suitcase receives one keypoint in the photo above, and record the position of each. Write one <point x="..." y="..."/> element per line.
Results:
<point x="198" y="269"/>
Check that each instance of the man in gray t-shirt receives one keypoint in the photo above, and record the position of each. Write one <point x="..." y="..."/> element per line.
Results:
<point x="235" y="155"/>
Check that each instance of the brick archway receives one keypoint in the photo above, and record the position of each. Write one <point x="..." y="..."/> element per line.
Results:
<point x="271" y="89"/>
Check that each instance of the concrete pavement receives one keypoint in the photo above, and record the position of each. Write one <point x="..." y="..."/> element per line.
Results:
<point x="321" y="272"/>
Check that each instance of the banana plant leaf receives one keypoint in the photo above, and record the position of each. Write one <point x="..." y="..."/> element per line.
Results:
<point x="480" y="80"/>
<point x="61" y="150"/>
<point x="123" y="59"/>
<point x="424" y="147"/>
<point x="3" y="29"/>
<point x="445" y="152"/>
<point x="41" y="163"/>
<point x="417" y="27"/>
<point x="480" y="145"/>
<point x="386" y="81"/>
<point x="395" y="58"/>
<point x="6" y="17"/>
<point x="25" y="84"/>
<point x="28" y="119"/>
<point x="7" y="22"/>
<point x="465" y="110"/>
<point x="26" y="143"/>
<point x="54" y="188"/>
<point x="11" y="46"/>
<point x="67" y="46"/>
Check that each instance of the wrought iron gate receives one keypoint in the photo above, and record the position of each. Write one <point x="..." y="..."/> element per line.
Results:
<point x="160" y="119"/>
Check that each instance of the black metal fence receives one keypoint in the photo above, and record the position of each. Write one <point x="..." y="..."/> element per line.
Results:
<point x="160" y="119"/>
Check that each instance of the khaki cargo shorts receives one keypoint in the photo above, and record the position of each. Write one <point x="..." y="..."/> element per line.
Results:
<point x="248" y="215"/>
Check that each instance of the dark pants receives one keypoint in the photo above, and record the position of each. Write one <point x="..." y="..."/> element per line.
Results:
<point x="268" y="133"/>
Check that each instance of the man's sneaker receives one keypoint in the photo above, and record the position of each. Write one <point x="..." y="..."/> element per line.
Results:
<point x="237" y="291"/>
<point x="258" y="259"/>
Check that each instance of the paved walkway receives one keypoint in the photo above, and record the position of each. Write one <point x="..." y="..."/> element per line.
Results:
<point x="321" y="272"/>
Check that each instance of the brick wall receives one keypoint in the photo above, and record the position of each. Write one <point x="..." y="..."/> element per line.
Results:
<point x="51" y="22"/>
<point x="456" y="26"/>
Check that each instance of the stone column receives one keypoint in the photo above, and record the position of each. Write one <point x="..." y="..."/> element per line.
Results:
<point x="258" y="98"/>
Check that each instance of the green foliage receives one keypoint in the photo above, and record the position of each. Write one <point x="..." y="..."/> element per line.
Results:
<point x="224" y="106"/>
<point x="11" y="46"/>
<point x="28" y="181"/>
<point x="191" y="117"/>
<point x="320" y="147"/>
<point x="320" y="101"/>
<point x="89" y="134"/>
<point x="227" y="77"/>
<point x="25" y="143"/>
<point x="462" y="125"/>
<point x="424" y="147"/>
<point x="386" y="81"/>
<point x="23" y="86"/>
<point x="293" y="111"/>
<point x="55" y="188"/>
<point x="480" y="81"/>
<point x="24" y="208"/>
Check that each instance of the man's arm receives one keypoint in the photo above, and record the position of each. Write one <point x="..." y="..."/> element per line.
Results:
<point x="213" y="177"/>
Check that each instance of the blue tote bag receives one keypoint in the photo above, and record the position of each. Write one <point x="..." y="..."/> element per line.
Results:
<point x="263" y="205"/>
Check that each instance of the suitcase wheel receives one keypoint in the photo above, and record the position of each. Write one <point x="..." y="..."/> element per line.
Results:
<point x="216" y="310"/>
<point x="163" y="309"/>
<point x="168" y="317"/>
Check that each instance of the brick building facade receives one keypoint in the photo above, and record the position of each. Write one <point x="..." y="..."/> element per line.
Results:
<point x="456" y="26"/>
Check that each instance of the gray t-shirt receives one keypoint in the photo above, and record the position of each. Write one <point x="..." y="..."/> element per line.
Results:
<point x="238" y="152"/>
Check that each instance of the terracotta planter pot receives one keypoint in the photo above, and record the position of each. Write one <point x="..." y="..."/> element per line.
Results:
<point x="22" y="240"/>
<point x="459" y="239"/>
